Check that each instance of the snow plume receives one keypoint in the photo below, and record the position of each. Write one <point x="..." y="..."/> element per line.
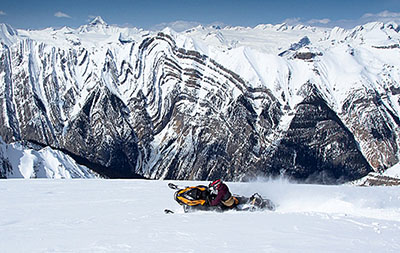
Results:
<point x="2" y="13"/>
<point x="341" y="199"/>
<point x="281" y="179"/>
<point x="60" y="14"/>
<point x="336" y="200"/>
<point x="319" y="176"/>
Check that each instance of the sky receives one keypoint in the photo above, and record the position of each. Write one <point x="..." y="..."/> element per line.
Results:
<point x="34" y="14"/>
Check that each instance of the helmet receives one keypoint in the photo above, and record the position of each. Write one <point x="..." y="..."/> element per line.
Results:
<point x="214" y="186"/>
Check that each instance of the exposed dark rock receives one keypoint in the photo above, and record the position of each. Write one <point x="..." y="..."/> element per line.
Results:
<point x="102" y="134"/>
<point x="305" y="41"/>
<point x="318" y="147"/>
<point x="373" y="124"/>
<point x="5" y="167"/>
<point x="306" y="55"/>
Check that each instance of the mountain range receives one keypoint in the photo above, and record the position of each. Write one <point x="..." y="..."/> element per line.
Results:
<point x="313" y="104"/>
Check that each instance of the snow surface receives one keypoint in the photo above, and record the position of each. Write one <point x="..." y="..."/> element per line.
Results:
<point x="393" y="171"/>
<point x="44" y="163"/>
<point x="127" y="216"/>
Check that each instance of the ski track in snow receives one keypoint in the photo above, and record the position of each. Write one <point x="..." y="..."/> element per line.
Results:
<point x="127" y="216"/>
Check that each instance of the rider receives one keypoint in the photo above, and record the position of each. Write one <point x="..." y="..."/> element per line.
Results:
<point x="223" y="195"/>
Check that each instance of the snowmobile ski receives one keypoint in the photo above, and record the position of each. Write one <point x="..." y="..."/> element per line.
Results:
<point x="173" y="186"/>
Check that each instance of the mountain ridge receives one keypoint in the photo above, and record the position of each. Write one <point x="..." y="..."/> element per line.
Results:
<point x="204" y="103"/>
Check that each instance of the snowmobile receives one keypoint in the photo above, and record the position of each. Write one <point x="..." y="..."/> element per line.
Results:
<point x="197" y="198"/>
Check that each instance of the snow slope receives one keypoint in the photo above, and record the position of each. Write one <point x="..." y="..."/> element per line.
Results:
<point x="394" y="171"/>
<point x="265" y="55"/>
<point x="23" y="162"/>
<point x="127" y="216"/>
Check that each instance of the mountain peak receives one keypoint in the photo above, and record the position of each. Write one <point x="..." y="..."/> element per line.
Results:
<point x="6" y="28"/>
<point x="98" y="21"/>
<point x="7" y="34"/>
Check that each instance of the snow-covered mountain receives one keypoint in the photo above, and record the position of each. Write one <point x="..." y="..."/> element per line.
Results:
<point x="18" y="161"/>
<point x="312" y="103"/>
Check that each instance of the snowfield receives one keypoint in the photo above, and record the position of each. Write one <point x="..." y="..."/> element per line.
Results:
<point x="127" y="216"/>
